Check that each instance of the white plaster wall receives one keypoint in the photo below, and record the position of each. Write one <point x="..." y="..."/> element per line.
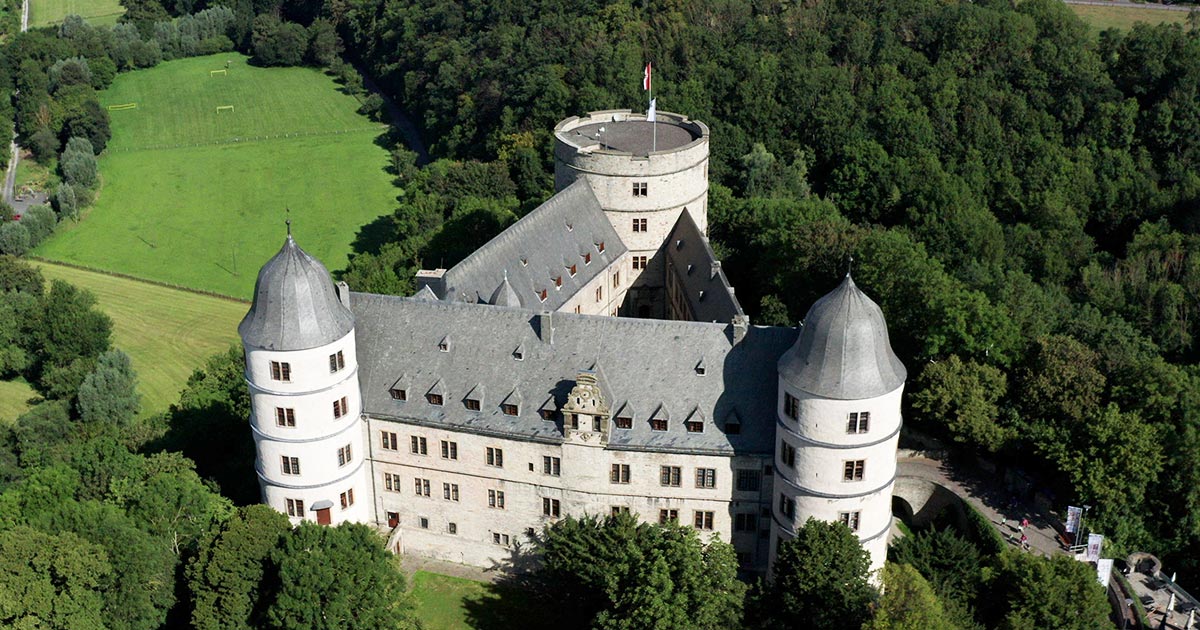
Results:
<point x="313" y="411"/>
<point x="310" y="368"/>
<point x="611" y="298"/>
<point x="318" y="458"/>
<point x="361" y="512"/>
<point x="824" y="419"/>
<point x="822" y="469"/>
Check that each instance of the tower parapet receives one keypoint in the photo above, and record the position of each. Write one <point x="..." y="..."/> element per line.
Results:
<point x="306" y="407"/>
<point x="644" y="175"/>
<point x="839" y="422"/>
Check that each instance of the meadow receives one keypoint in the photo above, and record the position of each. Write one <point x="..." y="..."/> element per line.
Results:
<point x="197" y="197"/>
<point x="52" y="12"/>
<point x="452" y="603"/>
<point x="167" y="333"/>
<point x="1124" y="17"/>
<point x="14" y="400"/>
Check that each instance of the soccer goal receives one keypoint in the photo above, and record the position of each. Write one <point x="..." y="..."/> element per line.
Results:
<point x="117" y="108"/>
<point x="224" y="108"/>
<point x="222" y="72"/>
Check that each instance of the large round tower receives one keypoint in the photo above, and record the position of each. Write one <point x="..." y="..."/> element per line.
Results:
<point x="306" y="410"/>
<point x="839" y="422"/>
<point x="644" y="174"/>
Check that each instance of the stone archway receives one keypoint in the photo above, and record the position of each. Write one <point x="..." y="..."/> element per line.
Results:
<point x="923" y="500"/>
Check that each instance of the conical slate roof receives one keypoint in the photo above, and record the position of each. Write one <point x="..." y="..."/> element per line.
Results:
<point x="295" y="306"/>
<point x="504" y="295"/>
<point x="843" y="350"/>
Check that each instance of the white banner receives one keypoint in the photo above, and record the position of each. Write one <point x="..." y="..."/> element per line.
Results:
<point x="1104" y="571"/>
<point x="1095" y="542"/>
<point x="1073" y="515"/>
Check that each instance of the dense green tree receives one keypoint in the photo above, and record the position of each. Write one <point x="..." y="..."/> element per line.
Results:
<point x="1057" y="592"/>
<point x="78" y="163"/>
<point x="819" y="580"/>
<point x="109" y="394"/>
<point x="67" y="327"/>
<point x="51" y="581"/>
<point x="65" y="201"/>
<point x="226" y="576"/>
<point x="336" y="577"/>
<point x="14" y="239"/>
<point x="39" y="221"/>
<point x="17" y="276"/>
<point x="908" y="602"/>
<point x="90" y="121"/>
<point x="962" y="397"/>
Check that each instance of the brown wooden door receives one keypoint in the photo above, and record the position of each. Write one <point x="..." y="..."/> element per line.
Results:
<point x="393" y="519"/>
<point x="323" y="516"/>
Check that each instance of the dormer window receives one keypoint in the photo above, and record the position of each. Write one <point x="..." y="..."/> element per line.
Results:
<point x="658" y="424"/>
<point x="557" y="282"/>
<point x="623" y="422"/>
<point x="694" y="426"/>
<point x="434" y="399"/>
<point x="508" y="409"/>
<point x="542" y="295"/>
<point x="571" y="270"/>
<point x="519" y="353"/>
<point x="398" y="394"/>
<point x="600" y="247"/>
<point x="546" y="414"/>
<point x="701" y="369"/>
<point x="444" y="344"/>
<point x="587" y="258"/>
<point x="570" y="228"/>
<point x="524" y="261"/>
<point x="472" y="405"/>
<point x="733" y="427"/>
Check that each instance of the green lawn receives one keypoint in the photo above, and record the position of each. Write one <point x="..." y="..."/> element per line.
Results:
<point x="166" y="332"/>
<point x="98" y="12"/>
<point x="1101" y="18"/>
<point x="450" y="603"/>
<point x="14" y="400"/>
<point x="209" y="216"/>
<point x="35" y="176"/>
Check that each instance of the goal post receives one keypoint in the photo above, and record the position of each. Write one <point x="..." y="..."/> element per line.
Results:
<point x="224" y="108"/>
<point x="222" y="71"/>
<point x="123" y="106"/>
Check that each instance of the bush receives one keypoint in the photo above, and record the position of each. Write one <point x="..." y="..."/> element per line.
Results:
<point x="14" y="239"/>
<point x="372" y="107"/>
<point x="44" y="145"/>
<point x="39" y="221"/>
<point x="65" y="201"/>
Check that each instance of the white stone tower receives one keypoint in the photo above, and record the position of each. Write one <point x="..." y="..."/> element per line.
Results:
<point x="306" y="407"/>
<point x="839" y="422"/>
<point x="644" y="175"/>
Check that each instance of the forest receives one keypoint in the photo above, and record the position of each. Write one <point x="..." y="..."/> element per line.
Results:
<point x="1019" y="195"/>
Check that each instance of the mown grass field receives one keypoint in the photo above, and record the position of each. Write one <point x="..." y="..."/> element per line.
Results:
<point x="1101" y="18"/>
<point x="51" y="12"/>
<point x="208" y="210"/>
<point x="14" y="400"/>
<point x="451" y="603"/>
<point x="167" y="333"/>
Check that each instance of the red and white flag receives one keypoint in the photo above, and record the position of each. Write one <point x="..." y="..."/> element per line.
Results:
<point x="646" y="78"/>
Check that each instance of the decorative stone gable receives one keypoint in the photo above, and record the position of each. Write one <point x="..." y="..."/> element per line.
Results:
<point x="586" y="413"/>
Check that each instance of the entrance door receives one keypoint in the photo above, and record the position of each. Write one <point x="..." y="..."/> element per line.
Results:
<point x="323" y="516"/>
<point x="393" y="519"/>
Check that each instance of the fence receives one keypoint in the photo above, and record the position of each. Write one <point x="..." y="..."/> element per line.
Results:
<point x="125" y="276"/>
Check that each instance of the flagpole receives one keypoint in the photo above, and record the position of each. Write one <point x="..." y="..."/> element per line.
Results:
<point x="654" y="123"/>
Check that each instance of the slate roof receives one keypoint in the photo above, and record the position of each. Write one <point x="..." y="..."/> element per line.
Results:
<point x="632" y="136"/>
<point x="295" y="306"/>
<point x="708" y="291"/>
<point x="843" y="351"/>
<point x="648" y="366"/>
<point x="542" y="246"/>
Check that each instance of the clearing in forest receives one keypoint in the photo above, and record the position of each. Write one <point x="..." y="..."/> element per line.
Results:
<point x="1124" y="17"/>
<point x="52" y="12"/>
<point x="195" y="196"/>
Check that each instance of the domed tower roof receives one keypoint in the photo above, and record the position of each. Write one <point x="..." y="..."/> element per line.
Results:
<point x="504" y="295"/>
<point x="843" y="350"/>
<point x="295" y="306"/>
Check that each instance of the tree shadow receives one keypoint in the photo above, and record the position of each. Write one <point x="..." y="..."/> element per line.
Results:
<point x="518" y="598"/>
<point x="374" y="234"/>
<point x="219" y="442"/>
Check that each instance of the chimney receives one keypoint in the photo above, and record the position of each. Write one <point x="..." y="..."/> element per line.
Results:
<point x="435" y="279"/>
<point x="741" y="324"/>
<point x="714" y="269"/>
<point x="545" y="327"/>
<point x="343" y="293"/>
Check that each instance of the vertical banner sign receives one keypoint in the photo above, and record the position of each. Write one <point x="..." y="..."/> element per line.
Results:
<point x="1073" y="514"/>
<point x="1104" y="571"/>
<point x="1095" y="541"/>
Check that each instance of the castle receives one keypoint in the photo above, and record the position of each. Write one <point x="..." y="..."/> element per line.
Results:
<point x="590" y="359"/>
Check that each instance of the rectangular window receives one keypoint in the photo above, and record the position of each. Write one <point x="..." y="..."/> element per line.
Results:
<point x="639" y="262"/>
<point x="291" y="465"/>
<point x="658" y="424"/>
<point x="450" y="491"/>
<point x="281" y="371"/>
<point x="787" y="506"/>
<point x="639" y="189"/>
<point x="500" y="539"/>
<point x="472" y="405"/>
<point x="434" y="399"/>
<point x="387" y="441"/>
<point x="418" y="445"/>
<point x="347" y="498"/>
<point x="508" y="409"/>
<point x="550" y="507"/>
<point x="619" y="473"/>
<point x="551" y="466"/>
<point x="616" y="279"/>
<point x="706" y="477"/>
<point x="600" y="293"/>
<point x="853" y="470"/>
<point x="423" y="521"/>
<point x="617" y="510"/>
<point x="496" y="499"/>
<point x="791" y="406"/>
<point x="624" y="422"/>
<point x="391" y="482"/>
<point x="285" y="417"/>
<point x="340" y="408"/>
<point x="295" y="507"/>
<point x="787" y="454"/>
<point x="336" y="362"/>
<point x="398" y="394"/>
<point x="452" y="528"/>
<point x="449" y="449"/>
<point x="849" y="519"/>
<point x="666" y="516"/>
<point x="859" y="422"/>
<point x="495" y="457"/>
<point x="344" y="455"/>
<point x="669" y="476"/>
<point x="749" y="480"/>
<point x="639" y="225"/>
<point x="421" y="486"/>
<point x="703" y="520"/>
<point x="745" y="522"/>
<point x="693" y="426"/>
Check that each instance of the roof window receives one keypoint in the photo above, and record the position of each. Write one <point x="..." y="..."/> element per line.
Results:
<point x="557" y="282"/>
<point x="572" y="269"/>
<point x="542" y="294"/>
<point x="600" y="247"/>
<point x="587" y="258"/>
<point x="444" y="344"/>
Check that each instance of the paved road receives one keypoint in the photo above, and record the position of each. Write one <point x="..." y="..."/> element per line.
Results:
<point x="10" y="177"/>
<point x="1133" y="5"/>
<point x="990" y="499"/>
